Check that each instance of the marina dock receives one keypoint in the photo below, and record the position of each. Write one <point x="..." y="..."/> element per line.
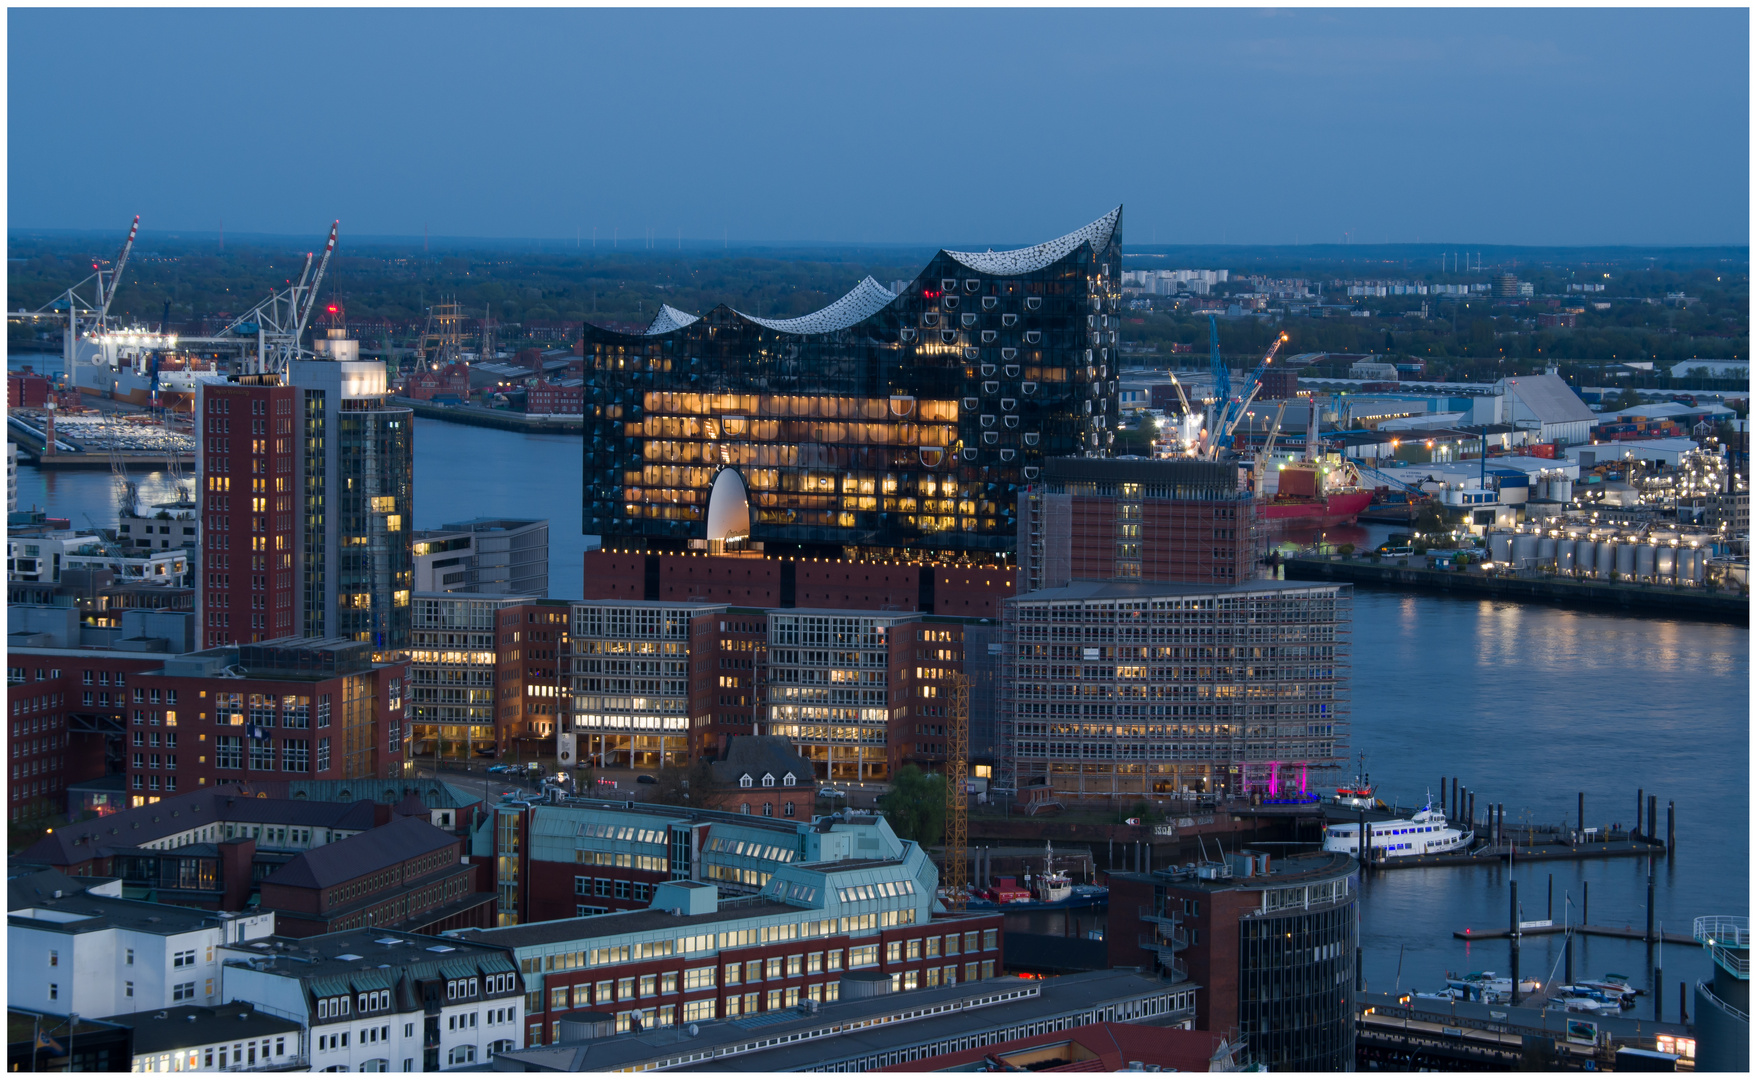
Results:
<point x="1627" y="933"/>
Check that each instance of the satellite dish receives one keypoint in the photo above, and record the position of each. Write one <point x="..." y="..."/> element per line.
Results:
<point x="694" y="1030"/>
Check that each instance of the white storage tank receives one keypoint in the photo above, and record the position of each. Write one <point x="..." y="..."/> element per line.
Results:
<point x="1524" y="550"/>
<point x="1500" y="547"/>
<point x="1625" y="560"/>
<point x="1646" y="555"/>
<point x="1665" y="562"/>
<point x="1562" y="489"/>
<point x="1607" y="558"/>
<point x="1564" y="556"/>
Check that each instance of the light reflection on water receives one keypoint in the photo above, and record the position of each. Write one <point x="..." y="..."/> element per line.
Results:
<point x="1526" y="704"/>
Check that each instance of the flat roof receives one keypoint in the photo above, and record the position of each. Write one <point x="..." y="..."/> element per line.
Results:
<point x="159" y="1030"/>
<point x="86" y="912"/>
<point x="1283" y="871"/>
<point x="1130" y="590"/>
<point x="348" y="953"/>
<point x="616" y="923"/>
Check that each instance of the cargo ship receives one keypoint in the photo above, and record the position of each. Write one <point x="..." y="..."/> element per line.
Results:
<point x="139" y="366"/>
<point x="1312" y="496"/>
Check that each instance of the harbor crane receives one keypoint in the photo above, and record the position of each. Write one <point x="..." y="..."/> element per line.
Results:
<point x="1233" y="411"/>
<point x="279" y="321"/>
<point x="80" y="315"/>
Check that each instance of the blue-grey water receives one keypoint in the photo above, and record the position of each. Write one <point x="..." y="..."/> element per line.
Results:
<point x="1526" y="704"/>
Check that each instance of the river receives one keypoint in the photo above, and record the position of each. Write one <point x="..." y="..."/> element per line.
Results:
<point x="1526" y="704"/>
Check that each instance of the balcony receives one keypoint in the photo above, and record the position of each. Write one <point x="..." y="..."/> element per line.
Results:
<point x="1707" y="991"/>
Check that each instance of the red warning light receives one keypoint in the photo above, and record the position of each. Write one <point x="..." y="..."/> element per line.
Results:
<point x="332" y="309"/>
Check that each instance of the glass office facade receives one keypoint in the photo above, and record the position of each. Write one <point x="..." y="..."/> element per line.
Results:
<point x="895" y="425"/>
<point x="1296" y="999"/>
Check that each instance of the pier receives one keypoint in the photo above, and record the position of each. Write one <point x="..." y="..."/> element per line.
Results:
<point x="1627" y="933"/>
<point x="1399" y="573"/>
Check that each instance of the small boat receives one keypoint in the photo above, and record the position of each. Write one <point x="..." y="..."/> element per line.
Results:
<point x="1424" y="833"/>
<point x="1581" y="1004"/>
<point x="1614" y="982"/>
<point x="1607" y="1001"/>
<point x="1052" y="886"/>
<point x="1358" y="792"/>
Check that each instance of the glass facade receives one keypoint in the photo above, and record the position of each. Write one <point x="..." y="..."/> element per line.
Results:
<point x="884" y="423"/>
<point x="1296" y="998"/>
<point x="631" y="682"/>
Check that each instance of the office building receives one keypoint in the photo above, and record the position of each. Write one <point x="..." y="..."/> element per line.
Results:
<point x="485" y="556"/>
<point x="532" y="677"/>
<point x="586" y="857"/>
<point x="885" y="425"/>
<point x="229" y="1038"/>
<point x="1131" y="690"/>
<point x="249" y="494"/>
<point x="453" y="667"/>
<point x="845" y="896"/>
<point x="288" y="709"/>
<point x="375" y="1001"/>
<point x="73" y="949"/>
<point x="1136" y="520"/>
<point x="357" y="480"/>
<point x="1269" y="944"/>
<point x="631" y="682"/>
<point x="868" y="1027"/>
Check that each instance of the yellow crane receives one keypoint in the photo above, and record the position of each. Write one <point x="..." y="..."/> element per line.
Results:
<point x="956" y="879"/>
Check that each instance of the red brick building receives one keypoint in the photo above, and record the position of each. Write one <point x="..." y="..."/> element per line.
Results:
<point x="530" y="674"/>
<point x="452" y="382"/>
<point x="728" y="656"/>
<point x="406" y="875"/>
<point x="293" y="709"/>
<point x="747" y="581"/>
<point x="1163" y="521"/>
<point x="249" y="505"/>
<point x="68" y="708"/>
<point x="761" y="775"/>
<point x="563" y="397"/>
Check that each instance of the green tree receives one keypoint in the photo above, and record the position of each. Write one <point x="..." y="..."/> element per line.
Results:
<point x="677" y="785"/>
<point x="916" y="805"/>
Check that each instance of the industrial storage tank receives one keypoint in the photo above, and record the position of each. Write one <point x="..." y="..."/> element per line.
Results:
<point x="1665" y="563"/>
<point x="1524" y="550"/>
<point x="1546" y="549"/>
<point x="1645" y="558"/>
<point x="1700" y="574"/>
<point x="1562" y="489"/>
<point x="1625" y="560"/>
<point x="1607" y="558"/>
<point x="1564" y="556"/>
<point x="1500" y="547"/>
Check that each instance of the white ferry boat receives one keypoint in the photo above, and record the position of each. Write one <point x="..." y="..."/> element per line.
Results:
<point x="1425" y="833"/>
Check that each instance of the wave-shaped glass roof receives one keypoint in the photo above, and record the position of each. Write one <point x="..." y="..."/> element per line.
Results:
<point x="1026" y="260"/>
<point x="865" y="299"/>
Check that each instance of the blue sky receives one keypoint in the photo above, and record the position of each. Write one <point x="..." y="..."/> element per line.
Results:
<point x="911" y="126"/>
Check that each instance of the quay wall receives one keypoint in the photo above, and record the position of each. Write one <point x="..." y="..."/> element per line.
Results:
<point x="1633" y="599"/>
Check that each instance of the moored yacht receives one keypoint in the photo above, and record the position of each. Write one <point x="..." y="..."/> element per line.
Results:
<point x="1424" y="833"/>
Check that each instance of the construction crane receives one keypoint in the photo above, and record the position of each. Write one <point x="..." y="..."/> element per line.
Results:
<point x="955" y="881"/>
<point x="1222" y="376"/>
<point x="1234" y="411"/>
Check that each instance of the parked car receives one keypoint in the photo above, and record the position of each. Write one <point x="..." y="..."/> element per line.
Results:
<point x="832" y="793"/>
<point x="645" y="779"/>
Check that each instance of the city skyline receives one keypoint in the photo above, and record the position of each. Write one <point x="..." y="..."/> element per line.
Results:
<point x="1313" y="126"/>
